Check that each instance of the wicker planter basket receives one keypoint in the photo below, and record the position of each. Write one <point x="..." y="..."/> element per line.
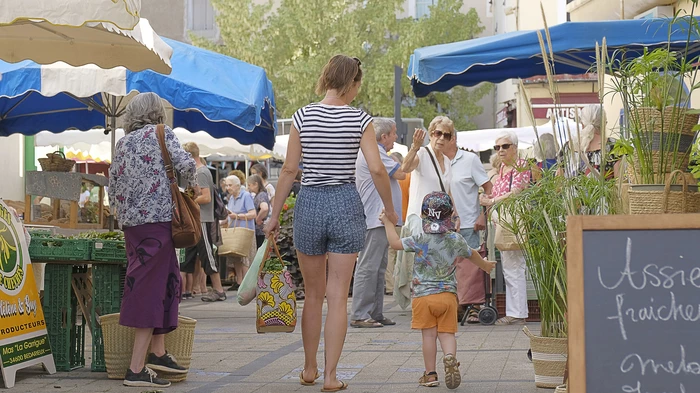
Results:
<point x="56" y="162"/>
<point x="671" y="120"/>
<point x="549" y="358"/>
<point x="119" y="341"/>
<point x="661" y="199"/>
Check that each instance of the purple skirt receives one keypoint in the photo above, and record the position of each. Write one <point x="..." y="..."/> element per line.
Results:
<point x="152" y="286"/>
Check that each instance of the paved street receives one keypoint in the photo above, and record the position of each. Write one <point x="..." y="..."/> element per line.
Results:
<point x="230" y="357"/>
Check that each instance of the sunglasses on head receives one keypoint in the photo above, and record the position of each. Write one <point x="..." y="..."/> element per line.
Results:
<point x="447" y="135"/>
<point x="505" y="146"/>
<point x="359" y="63"/>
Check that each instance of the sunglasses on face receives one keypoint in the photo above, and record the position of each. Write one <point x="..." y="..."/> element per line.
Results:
<point x="505" y="146"/>
<point x="439" y="134"/>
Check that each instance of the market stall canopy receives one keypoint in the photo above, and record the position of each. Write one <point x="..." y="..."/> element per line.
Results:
<point x="95" y="143"/>
<point x="518" y="54"/>
<point x="483" y="140"/>
<point x="108" y="33"/>
<point x="223" y="96"/>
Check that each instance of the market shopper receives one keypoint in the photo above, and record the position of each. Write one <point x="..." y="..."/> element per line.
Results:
<point x="588" y="147"/>
<point x="241" y="213"/>
<point x="262" y="206"/>
<point x="329" y="226"/>
<point x="139" y="190"/>
<point x="204" y="252"/>
<point x="514" y="176"/>
<point x="260" y="170"/>
<point x="369" y="282"/>
<point x="434" y="305"/>
<point x="468" y="175"/>
<point x="430" y="169"/>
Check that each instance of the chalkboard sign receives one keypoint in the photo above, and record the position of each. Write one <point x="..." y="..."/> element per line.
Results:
<point x="634" y="304"/>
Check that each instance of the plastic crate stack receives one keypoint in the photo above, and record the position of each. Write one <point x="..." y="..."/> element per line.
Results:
<point x="66" y="335"/>
<point x="107" y="290"/>
<point x="65" y="327"/>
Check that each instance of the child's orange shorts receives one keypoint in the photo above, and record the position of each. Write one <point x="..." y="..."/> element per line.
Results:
<point x="438" y="310"/>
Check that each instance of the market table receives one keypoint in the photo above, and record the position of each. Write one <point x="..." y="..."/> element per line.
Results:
<point x="93" y="287"/>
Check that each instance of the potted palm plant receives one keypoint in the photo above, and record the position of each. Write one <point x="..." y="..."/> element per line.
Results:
<point x="657" y="137"/>
<point x="538" y="221"/>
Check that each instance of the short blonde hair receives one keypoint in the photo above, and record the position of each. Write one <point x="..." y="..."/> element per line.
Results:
<point x="441" y="120"/>
<point x="340" y="73"/>
<point x="191" y="148"/>
<point x="239" y="174"/>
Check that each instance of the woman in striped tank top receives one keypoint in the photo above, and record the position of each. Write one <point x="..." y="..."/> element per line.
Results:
<point x="329" y="222"/>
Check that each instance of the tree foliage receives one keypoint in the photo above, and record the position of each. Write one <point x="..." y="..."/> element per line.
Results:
<point x="293" y="39"/>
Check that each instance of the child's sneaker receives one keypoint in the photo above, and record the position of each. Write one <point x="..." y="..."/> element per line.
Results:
<point x="452" y="375"/>
<point x="429" y="380"/>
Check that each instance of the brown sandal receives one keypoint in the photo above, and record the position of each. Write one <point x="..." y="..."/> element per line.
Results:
<point x="510" y="321"/>
<point x="342" y="386"/>
<point x="305" y="382"/>
<point x="366" y="323"/>
<point x="473" y="316"/>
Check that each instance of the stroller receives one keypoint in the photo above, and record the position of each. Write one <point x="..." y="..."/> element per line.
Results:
<point x="488" y="314"/>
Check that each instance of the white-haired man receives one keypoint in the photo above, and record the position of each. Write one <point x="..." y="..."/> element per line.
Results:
<point x="369" y="283"/>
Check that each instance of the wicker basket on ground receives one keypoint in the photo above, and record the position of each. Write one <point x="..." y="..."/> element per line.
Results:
<point x="119" y="341"/>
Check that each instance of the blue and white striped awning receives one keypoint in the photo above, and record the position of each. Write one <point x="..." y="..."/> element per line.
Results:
<point x="210" y="92"/>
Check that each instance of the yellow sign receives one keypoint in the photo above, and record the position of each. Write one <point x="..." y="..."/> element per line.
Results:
<point x="23" y="337"/>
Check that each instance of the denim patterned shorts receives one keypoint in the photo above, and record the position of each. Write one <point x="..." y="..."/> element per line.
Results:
<point x="329" y="219"/>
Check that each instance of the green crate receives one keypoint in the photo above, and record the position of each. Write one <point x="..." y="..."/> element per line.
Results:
<point x="39" y="233"/>
<point x="107" y="291"/>
<point x="57" y="249"/>
<point x="60" y="304"/>
<point x="109" y="250"/>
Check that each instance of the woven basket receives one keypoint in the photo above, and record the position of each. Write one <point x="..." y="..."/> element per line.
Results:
<point x="236" y="240"/>
<point x="562" y="389"/>
<point x="119" y="342"/>
<point x="671" y="161"/>
<point x="56" y="162"/>
<point x="671" y="120"/>
<point x="549" y="358"/>
<point x="661" y="199"/>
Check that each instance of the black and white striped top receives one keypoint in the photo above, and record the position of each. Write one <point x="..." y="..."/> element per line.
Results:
<point x="330" y="139"/>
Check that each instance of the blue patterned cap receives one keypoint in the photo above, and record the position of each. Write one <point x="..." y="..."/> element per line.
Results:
<point x="437" y="213"/>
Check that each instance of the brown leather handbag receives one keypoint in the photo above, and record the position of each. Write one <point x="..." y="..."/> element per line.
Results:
<point x="187" y="227"/>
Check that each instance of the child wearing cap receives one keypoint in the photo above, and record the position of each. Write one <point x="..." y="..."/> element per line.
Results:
<point x="434" y="287"/>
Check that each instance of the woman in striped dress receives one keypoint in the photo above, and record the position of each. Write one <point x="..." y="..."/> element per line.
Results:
<point x="329" y="222"/>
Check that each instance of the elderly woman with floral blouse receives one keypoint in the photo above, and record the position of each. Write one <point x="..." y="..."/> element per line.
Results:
<point x="139" y="189"/>
<point x="513" y="177"/>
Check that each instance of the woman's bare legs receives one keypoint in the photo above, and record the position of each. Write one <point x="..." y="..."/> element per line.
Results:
<point x="313" y="268"/>
<point x="340" y="268"/>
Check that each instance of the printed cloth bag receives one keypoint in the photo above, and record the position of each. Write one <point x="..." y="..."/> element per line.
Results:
<point x="276" y="301"/>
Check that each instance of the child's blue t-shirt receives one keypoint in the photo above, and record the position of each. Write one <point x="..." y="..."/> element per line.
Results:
<point x="434" y="266"/>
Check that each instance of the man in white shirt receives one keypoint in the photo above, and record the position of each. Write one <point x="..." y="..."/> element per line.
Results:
<point x="468" y="174"/>
<point x="369" y="283"/>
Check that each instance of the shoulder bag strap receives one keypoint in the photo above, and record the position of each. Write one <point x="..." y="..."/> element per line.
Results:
<point x="160" y="133"/>
<point x="437" y="170"/>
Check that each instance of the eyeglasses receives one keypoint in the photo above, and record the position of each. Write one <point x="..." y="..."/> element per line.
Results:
<point x="505" y="146"/>
<point x="359" y="63"/>
<point x="438" y="134"/>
